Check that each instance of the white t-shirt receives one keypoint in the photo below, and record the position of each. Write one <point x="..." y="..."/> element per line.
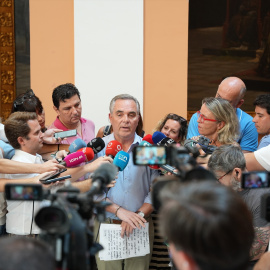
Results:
<point x="20" y="216"/>
<point x="2" y="133"/>
<point x="263" y="157"/>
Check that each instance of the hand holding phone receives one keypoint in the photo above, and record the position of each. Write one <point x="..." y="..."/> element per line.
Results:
<point x="53" y="180"/>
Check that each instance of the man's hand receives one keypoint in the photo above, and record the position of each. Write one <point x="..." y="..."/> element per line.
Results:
<point x="49" y="138"/>
<point x="91" y="167"/>
<point x="61" y="154"/>
<point x="49" y="166"/>
<point x="130" y="221"/>
<point x="112" y="184"/>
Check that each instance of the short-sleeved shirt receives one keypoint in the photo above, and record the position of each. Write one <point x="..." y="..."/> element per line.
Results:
<point x="263" y="157"/>
<point x="265" y="140"/>
<point x="248" y="139"/>
<point x="88" y="130"/>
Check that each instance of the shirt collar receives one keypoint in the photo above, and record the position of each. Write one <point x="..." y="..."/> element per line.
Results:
<point x="60" y="125"/>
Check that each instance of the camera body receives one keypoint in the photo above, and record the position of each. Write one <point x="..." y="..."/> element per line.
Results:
<point x="160" y="155"/>
<point x="62" y="221"/>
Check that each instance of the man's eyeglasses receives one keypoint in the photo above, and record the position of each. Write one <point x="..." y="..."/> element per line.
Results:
<point x="224" y="175"/>
<point x="27" y="95"/>
<point x="205" y="119"/>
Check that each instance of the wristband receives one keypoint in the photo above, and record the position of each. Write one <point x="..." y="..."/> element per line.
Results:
<point x="117" y="210"/>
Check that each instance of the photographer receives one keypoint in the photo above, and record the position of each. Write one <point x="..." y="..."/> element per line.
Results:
<point x="207" y="225"/>
<point x="228" y="163"/>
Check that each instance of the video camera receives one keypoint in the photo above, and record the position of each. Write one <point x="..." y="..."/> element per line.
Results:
<point x="63" y="218"/>
<point x="172" y="158"/>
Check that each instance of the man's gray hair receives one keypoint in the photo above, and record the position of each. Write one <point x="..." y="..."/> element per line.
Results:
<point x="125" y="97"/>
<point x="225" y="158"/>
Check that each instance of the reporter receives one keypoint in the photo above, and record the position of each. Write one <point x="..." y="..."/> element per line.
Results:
<point x="173" y="126"/>
<point x="218" y="122"/>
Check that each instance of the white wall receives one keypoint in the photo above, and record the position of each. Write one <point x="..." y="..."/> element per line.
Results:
<point x="108" y="53"/>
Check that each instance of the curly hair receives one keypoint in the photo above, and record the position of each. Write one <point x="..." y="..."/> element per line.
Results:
<point x="181" y="120"/>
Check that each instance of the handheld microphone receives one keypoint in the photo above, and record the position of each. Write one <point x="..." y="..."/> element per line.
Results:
<point x="103" y="175"/>
<point x="166" y="141"/>
<point x="76" y="145"/>
<point x="88" y="152"/>
<point x="157" y="137"/>
<point x="121" y="160"/>
<point x="113" y="148"/>
<point x="97" y="144"/>
<point x="73" y="159"/>
<point x="148" y="138"/>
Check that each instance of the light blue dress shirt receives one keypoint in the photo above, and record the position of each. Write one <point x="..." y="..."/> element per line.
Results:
<point x="132" y="188"/>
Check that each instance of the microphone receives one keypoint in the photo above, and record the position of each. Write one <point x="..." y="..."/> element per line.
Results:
<point x="157" y="137"/>
<point x="88" y="152"/>
<point x="166" y="141"/>
<point x="148" y="138"/>
<point x="103" y="175"/>
<point x="76" y="145"/>
<point x="121" y="160"/>
<point x="97" y="144"/>
<point x="73" y="159"/>
<point x="113" y="148"/>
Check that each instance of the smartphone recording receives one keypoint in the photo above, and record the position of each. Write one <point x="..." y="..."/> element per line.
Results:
<point x="150" y="155"/>
<point x="66" y="134"/>
<point x="259" y="179"/>
<point x="23" y="192"/>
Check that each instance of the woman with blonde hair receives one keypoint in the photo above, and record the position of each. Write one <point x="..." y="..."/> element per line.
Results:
<point x="218" y="122"/>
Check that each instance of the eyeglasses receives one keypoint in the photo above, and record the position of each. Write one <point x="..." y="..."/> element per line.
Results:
<point x="205" y="119"/>
<point x="224" y="175"/>
<point x="20" y="100"/>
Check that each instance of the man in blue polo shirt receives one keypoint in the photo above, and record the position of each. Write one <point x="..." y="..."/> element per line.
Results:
<point x="233" y="89"/>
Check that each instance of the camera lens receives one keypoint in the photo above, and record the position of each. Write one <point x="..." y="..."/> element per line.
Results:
<point x="52" y="219"/>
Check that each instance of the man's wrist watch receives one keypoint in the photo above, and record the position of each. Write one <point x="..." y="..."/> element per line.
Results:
<point x="140" y="213"/>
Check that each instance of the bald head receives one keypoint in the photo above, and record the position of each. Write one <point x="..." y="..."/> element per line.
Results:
<point x="232" y="89"/>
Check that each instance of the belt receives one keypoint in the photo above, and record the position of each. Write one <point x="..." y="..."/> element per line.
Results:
<point x="115" y="221"/>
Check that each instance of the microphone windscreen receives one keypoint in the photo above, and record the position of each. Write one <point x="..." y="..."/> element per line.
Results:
<point x="97" y="144"/>
<point x="74" y="159"/>
<point x="158" y="136"/>
<point x="89" y="153"/>
<point x="144" y="143"/>
<point x="121" y="160"/>
<point x="113" y="148"/>
<point x="76" y="145"/>
<point x="148" y="138"/>
<point x="166" y="141"/>
<point x="105" y="173"/>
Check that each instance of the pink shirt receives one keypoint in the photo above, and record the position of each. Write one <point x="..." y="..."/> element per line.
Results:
<point x="88" y="130"/>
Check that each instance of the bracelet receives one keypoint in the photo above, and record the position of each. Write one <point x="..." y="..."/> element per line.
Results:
<point x="117" y="210"/>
